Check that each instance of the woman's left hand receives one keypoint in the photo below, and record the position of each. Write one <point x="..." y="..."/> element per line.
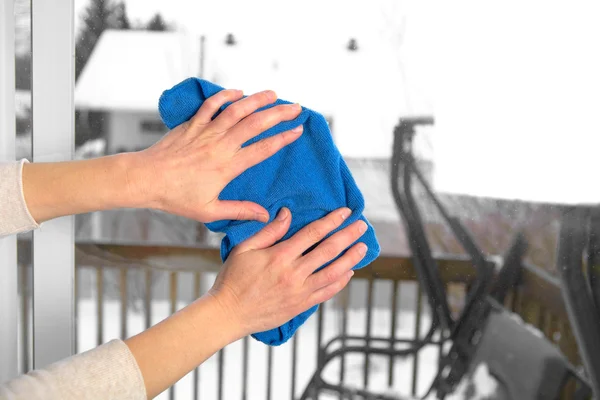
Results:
<point x="182" y="174"/>
<point x="185" y="172"/>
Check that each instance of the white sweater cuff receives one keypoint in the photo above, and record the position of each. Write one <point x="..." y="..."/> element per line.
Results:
<point x="107" y="372"/>
<point x="14" y="215"/>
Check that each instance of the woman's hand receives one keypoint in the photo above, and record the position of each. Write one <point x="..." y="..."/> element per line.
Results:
<point x="184" y="173"/>
<point x="262" y="286"/>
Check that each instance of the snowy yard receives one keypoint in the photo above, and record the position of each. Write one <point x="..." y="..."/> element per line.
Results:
<point x="306" y="347"/>
<point x="282" y="356"/>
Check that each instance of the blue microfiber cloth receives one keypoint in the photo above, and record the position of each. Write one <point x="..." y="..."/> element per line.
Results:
<point x="309" y="177"/>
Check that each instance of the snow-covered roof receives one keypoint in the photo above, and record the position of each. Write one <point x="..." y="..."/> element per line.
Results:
<point x="364" y="91"/>
<point x="128" y="70"/>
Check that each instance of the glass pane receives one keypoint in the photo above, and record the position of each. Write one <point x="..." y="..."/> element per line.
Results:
<point x="511" y="92"/>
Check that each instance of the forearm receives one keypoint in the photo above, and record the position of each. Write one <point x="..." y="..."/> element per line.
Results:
<point x="54" y="190"/>
<point x="168" y="351"/>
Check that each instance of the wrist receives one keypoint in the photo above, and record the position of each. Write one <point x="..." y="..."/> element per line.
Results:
<point x="228" y="309"/>
<point x="53" y="190"/>
<point x="134" y="169"/>
<point x="174" y="347"/>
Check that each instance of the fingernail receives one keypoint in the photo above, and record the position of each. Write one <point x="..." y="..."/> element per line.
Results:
<point x="345" y="212"/>
<point x="362" y="249"/>
<point x="296" y="107"/>
<point x="298" y="129"/>
<point x="263" y="217"/>
<point x="240" y="92"/>
<point x="283" y="214"/>
<point x="350" y="273"/>
<point x="362" y="227"/>
<point x="271" y="94"/>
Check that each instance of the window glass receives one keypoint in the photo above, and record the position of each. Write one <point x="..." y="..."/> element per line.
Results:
<point x="511" y="95"/>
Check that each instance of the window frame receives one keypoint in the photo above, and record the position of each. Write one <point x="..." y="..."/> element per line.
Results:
<point x="53" y="81"/>
<point x="9" y="297"/>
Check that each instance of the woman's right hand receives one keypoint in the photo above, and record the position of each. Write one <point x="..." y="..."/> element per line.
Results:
<point x="263" y="285"/>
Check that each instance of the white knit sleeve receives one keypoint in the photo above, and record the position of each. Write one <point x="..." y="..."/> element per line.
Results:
<point x="108" y="372"/>
<point x="14" y="215"/>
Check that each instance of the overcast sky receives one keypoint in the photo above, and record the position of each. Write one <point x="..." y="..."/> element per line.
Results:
<point x="514" y="85"/>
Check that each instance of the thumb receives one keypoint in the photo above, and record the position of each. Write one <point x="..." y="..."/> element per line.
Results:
<point x="240" y="210"/>
<point x="270" y="234"/>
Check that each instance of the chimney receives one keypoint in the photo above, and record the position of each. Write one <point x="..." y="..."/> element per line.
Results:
<point x="202" y="56"/>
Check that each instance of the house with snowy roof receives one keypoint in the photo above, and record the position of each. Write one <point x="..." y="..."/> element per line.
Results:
<point x="124" y="77"/>
<point x="357" y="87"/>
<point x="352" y="85"/>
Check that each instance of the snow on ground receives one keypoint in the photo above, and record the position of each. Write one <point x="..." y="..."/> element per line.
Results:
<point x="480" y="386"/>
<point x="282" y="356"/>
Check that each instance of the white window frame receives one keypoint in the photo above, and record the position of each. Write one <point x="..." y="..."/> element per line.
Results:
<point x="9" y="300"/>
<point x="53" y="76"/>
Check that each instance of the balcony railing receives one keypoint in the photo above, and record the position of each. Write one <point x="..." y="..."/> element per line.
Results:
<point x="117" y="295"/>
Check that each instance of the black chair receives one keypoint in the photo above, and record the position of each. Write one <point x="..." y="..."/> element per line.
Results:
<point x="579" y="294"/>
<point x="526" y="365"/>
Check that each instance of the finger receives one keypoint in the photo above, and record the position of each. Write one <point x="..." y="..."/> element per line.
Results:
<point x="241" y="109"/>
<point x="314" y="232"/>
<point x="261" y="121"/>
<point x="257" y="152"/>
<point x="270" y="234"/>
<point x="325" y="293"/>
<point x="212" y="105"/>
<point x="239" y="210"/>
<point x="332" y="247"/>
<point x="338" y="268"/>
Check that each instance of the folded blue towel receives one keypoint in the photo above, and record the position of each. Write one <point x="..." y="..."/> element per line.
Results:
<point x="309" y="177"/>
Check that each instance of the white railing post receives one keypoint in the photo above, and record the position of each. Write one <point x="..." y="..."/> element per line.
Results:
<point x="9" y="300"/>
<point x="53" y="56"/>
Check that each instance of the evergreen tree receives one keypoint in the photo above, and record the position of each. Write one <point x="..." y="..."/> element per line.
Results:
<point x="122" y="18"/>
<point x="99" y="16"/>
<point x="157" y="23"/>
